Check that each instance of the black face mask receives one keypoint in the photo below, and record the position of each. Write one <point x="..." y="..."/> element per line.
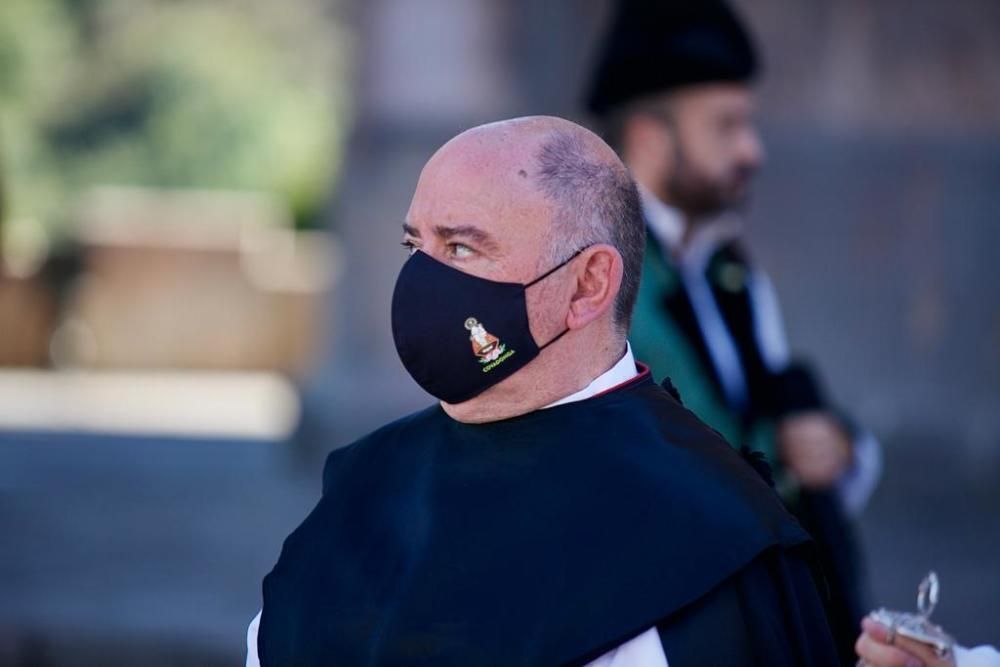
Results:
<point x="457" y="334"/>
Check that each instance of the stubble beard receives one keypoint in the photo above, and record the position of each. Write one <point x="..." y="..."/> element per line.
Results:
<point x="700" y="197"/>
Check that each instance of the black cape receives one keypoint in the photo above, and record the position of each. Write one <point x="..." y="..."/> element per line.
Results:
<point x="545" y="539"/>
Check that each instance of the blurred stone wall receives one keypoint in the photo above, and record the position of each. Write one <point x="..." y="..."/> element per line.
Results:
<point x="876" y="212"/>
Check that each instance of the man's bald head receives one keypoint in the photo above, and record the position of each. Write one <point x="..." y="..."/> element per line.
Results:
<point x="544" y="203"/>
<point x="544" y="166"/>
<point x="595" y="201"/>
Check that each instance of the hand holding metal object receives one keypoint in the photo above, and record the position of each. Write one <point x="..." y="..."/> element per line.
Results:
<point x="918" y="627"/>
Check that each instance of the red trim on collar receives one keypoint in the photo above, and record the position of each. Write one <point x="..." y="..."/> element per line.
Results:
<point x="643" y="372"/>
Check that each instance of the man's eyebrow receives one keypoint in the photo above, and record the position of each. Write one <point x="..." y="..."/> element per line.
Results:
<point x="412" y="231"/>
<point x="471" y="232"/>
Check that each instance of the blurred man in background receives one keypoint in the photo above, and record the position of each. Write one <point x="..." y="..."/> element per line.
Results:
<point x="673" y="92"/>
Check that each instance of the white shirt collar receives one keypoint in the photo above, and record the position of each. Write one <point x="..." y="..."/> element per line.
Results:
<point x="666" y="222"/>
<point x="623" y="371"/>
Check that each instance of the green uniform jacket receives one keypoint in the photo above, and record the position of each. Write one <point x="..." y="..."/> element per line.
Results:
<point x="659" y="342"/>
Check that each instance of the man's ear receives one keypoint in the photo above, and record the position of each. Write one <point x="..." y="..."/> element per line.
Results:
<point x="598" y="280"/>
<point x="646" y="146"/>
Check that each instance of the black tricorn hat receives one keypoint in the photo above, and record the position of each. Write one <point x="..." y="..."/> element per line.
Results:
<point x="657" y="45"/>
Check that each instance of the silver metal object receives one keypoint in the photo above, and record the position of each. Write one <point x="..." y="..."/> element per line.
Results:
<point x="918" y="627"/>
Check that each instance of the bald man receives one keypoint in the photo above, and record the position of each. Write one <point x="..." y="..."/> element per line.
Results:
<point x="555" y="506"/>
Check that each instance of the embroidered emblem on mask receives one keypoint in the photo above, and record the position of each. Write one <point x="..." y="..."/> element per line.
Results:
<point x="487" y="347"/>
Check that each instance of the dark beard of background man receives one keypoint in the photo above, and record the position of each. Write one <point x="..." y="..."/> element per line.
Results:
<point x="700" y="196"/>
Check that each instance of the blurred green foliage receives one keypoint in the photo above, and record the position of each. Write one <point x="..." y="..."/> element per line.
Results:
<point x="244" y="94"/>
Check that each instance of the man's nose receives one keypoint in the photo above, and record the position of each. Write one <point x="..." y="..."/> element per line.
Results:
<point x="752" y="148"/>
<point x="435" y="249"/>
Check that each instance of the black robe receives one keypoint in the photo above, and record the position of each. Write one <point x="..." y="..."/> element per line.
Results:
<point x="545" y="539"/>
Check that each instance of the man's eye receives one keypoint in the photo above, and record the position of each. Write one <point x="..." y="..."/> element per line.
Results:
<point x="410" y="247"/>
<point x="731" y="124"/>
<point x="460" y="251"/>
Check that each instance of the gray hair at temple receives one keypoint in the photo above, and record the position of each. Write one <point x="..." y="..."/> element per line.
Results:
<point x="596" y="202"/>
